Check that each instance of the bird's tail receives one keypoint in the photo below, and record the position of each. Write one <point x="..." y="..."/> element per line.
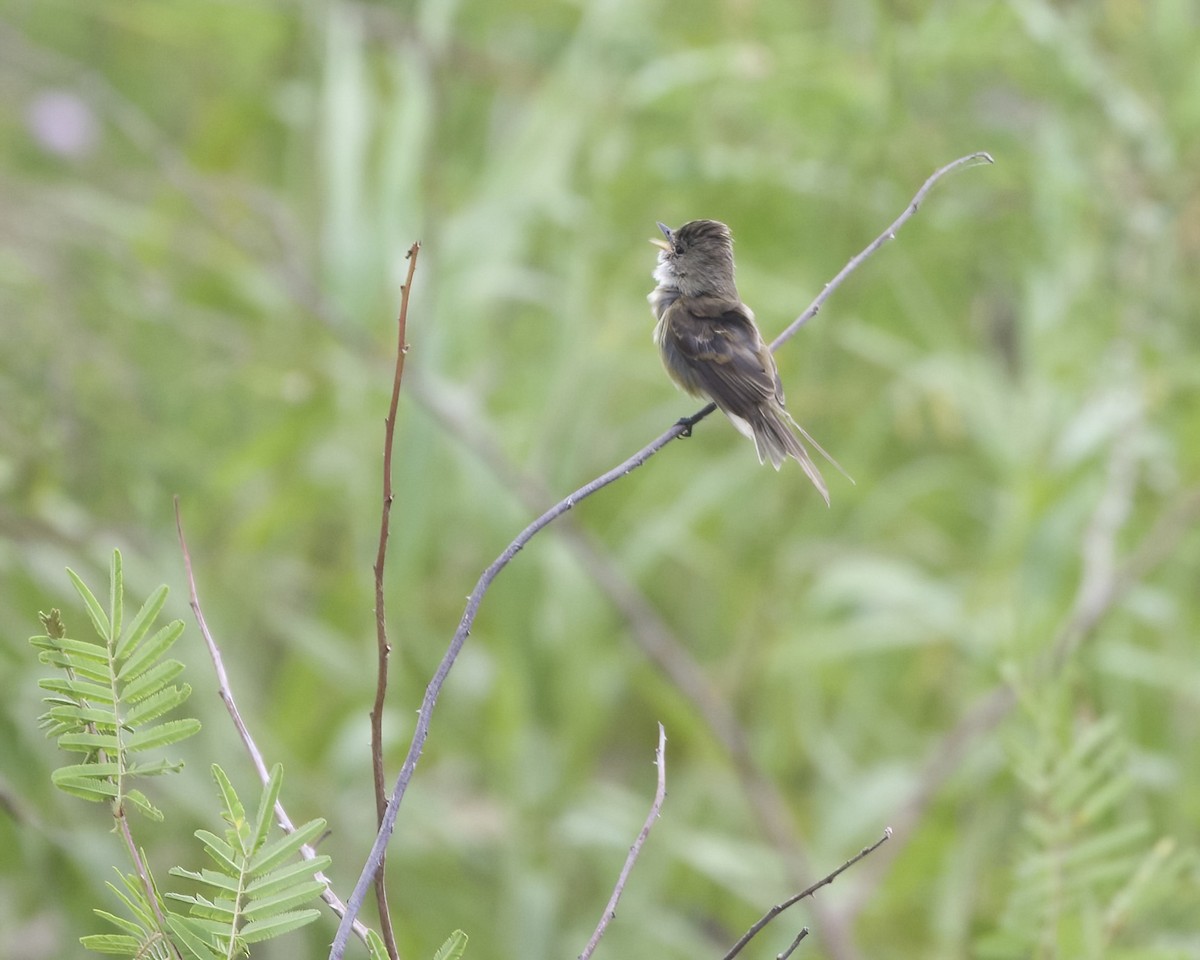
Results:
<point x="775" y="440"/>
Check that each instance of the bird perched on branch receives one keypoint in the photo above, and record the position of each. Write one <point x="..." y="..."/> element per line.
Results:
<point x="711" y="346"/>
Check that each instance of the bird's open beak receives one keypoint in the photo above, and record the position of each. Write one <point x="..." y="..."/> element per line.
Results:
<point x="664" y="244"/>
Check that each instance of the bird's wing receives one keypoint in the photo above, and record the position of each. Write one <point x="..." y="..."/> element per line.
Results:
<point x="724" y="353"/>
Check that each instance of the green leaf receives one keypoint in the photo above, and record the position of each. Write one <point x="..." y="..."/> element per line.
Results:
<point x="127" y="925"/>
<point x="157" y="704"/>
<point x="87" y="742"/>
<point x="286" y="875"/>
<point x="150" y="682"/>
<point x="95" y="611"/>
<point x="79" y="716"/>
<point x="454" y="947"/>
<point x="285" y="900"/>
<point x="266" y="806"/>
<point x="273" y="854"/>
<point x="86" y="770"/>
<point x="155" y="768"/>
<point x="85" y="650"/>
<point x="259" y="930"/>
<point x="221" y="910"/>
<point x="134" y="898"/>
<point x="1103" y="797"/>
<point x="116" y="594"/>
<point x="77" y="689"/>
<point x="235" y="813"/>
<point x="97" y="789"/>
<point x="191" y="935"/>
<point x="375" y="946"/>
<point x="221" y="852"/>
<point x="186" y="873"/>
<point x="114" y="944"/>
<point x="141" y="802"/>
<point x="142" y="622"/>
<point x="212" y="878"/>
<point x="162" y="735"/>
<point x="150" y="651"/>
<point x="82" y="669"/>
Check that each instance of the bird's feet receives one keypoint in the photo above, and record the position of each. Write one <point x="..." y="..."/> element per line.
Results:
<point x="687" y="423"/>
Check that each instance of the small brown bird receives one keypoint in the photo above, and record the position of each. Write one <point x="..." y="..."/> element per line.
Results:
<point x="712" y="348"/>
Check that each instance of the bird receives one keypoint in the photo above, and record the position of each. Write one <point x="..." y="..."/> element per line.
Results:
<point x="711" y="346"/>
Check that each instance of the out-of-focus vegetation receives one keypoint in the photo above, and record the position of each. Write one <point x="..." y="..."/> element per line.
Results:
<point x="989" y="642"/>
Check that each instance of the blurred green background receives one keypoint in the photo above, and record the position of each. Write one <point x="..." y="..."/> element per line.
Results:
<point x="988" y="643"/>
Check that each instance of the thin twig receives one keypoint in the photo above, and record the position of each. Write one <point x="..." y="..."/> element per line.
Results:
<point x="432" y="691"/>
<point x="794" y="944"/>
<point x="806" y="892"/>
<point x="383" y="648"/>
<point x="660" y="794"/>
<point x="225" y="691"/>
<point x="888" y="234"/>
<point x="657" y="641"/>
<point x="147" y="885"/>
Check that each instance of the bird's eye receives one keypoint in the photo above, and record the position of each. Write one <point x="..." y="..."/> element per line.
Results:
<point x="678" y="248"/>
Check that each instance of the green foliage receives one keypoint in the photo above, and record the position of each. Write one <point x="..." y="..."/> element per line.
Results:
<point x="108" y="709"/>
<point x="1088" y="862"/>
<point x="143" y="935"/>
<point x="109" y="704"/>
<point x="454" y="947"/>
<point x="255" y="893"/>
<point x="376" y="947"/>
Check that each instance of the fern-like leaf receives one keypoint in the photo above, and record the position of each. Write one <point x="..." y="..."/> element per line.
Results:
<point x="1085" y="862"/>
<point x="108" y="705"/>
<point x="141" y="936"/>
<point x="255" y="893"/>
<point x="454" y="947"/>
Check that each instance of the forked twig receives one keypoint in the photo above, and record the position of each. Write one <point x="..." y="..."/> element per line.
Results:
<point x="808" y="891"/>
<point x="660" y="794"/>
<point x="433" y="690"/>
<point x="225" y="691"/>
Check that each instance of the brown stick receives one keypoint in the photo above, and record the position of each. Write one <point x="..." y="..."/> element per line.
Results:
<point x="383" y="648"/>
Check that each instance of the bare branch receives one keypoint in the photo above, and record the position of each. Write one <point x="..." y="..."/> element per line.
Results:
<point x="806" y="892"/>
<point x="383" y="648"/>
<point x="888" y="234"/>
<point x="661" y="646"/>
<point x="660" y="761"/>
<point x="794" y="944"/>
<point x="432" y="691"/>
<point x="225" y="691"/>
